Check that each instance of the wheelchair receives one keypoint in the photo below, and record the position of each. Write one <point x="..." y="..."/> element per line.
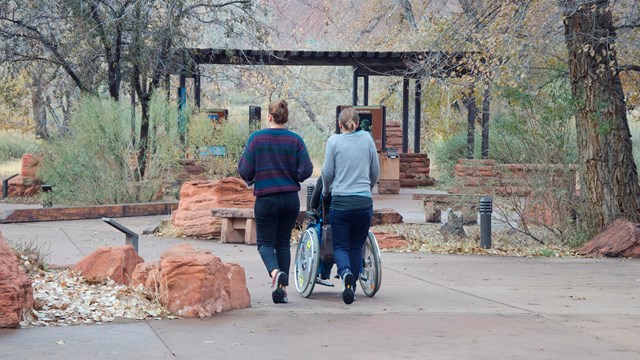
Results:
<point x="310" y="257"/>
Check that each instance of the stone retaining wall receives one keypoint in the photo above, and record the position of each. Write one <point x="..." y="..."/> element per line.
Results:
<point x="485" y="176"/>
<point x="414" y="168"/>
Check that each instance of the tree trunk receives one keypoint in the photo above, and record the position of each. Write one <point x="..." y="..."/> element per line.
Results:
<point x="39" y="105"/>
<point x="472" y="114"/>
<point x="486" y="102"/>
<point x="604" y="140"/>
<point x="144" y="135"/>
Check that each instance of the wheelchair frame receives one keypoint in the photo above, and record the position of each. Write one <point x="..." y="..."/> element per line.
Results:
<point x="307" y="258"/>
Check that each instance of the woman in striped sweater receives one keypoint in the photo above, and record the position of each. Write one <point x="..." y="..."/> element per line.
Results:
<point x="276" y="161"/>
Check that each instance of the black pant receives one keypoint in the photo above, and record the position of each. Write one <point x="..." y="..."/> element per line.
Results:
<point x="276" y="215"/>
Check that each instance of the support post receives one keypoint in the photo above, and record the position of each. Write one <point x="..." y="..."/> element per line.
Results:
<point x="405" y="115"/>
<point x="366" y="90"/>
<point x="197" y="87"/>
<point x="354" y="94"/>
<point x="418" y="114"/>
<point x="182" y="102"/>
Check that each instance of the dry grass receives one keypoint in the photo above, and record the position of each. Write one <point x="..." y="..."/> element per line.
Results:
<point x="504" y="242"/>
<point x="10" y="167"/>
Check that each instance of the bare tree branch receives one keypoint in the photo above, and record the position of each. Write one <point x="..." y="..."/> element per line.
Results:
<point x="629" y="67"/>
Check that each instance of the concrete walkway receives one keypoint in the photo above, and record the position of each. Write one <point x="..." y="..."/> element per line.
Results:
<point x="429" y="307"/>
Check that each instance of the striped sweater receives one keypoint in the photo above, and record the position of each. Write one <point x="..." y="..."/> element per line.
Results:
<point x="276" y="161"/>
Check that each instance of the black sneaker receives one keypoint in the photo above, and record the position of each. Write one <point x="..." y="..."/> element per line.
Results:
<point x="278" y="294"/>
<point x="348" y="282"/>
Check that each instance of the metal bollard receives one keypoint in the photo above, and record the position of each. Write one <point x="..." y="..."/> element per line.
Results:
<point x="310" y="189"/>
<point x="47" y="200"/>
<point x="486" y="208"/>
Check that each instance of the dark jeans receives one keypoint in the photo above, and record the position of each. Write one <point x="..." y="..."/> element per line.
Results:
<point x="275" y="217"/>
<point x="350" y="229"/>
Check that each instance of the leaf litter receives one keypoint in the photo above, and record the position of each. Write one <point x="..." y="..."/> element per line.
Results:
<point x="62" y="297"/>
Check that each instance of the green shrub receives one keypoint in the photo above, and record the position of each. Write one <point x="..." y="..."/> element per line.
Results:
<point x="97" y="162"/>
<point x="316" y="142"/>
<point x="232" y="134"/>
<point x="14" y="144"/>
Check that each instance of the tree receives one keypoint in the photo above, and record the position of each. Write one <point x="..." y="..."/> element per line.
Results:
<point x="102" y="43"/>
<point x="604" y="140"/>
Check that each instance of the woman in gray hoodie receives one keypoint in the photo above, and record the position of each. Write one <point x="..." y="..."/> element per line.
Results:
<point x="350" y="171"/>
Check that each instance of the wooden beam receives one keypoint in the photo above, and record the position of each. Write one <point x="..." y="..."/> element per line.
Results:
<point x="86" y="212"/>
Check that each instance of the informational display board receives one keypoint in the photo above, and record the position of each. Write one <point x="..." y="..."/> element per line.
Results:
<point x="217" y="116"/>
<point x="255" y="116"/>
<point x="372" y="120"/>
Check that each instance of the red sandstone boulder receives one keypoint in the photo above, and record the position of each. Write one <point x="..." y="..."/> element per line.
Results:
<point x="147" y="275"/>
<point x="386" y="216"/>
<point x="196" y="283"/>
<point x="197" y="198"/>
<point x="16" y="291"/>
<point x="390" y="241"/>
<point x="620" y="238"/>
<point x="115" y="263"/>
<point x="30" y="165"/>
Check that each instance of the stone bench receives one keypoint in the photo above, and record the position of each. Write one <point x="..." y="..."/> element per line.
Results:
<point x="238" y="225"/>
<point x="434" y="204"/>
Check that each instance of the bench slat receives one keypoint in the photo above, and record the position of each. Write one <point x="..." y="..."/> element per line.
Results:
<point x="232" y="213"/>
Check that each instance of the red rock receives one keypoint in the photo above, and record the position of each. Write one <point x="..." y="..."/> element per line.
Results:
<point x="147" y="275"/>
<point x="391" y="241"/>
<point x="30" y="165"/>
<point x="196" y="283"/>
<point x="620" y="238"/>
<point x="197" y="198"/>
<point x="388" y="186"/>
<point x="386" y="216"/>
<point x="16" y="291"/>
<point x="115" y="263"/>
<point x="21" y="186"/>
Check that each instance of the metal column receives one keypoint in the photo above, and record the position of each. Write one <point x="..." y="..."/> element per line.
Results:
<point x="197" y="87"/>
<point x="354" y="94"/>
<point x="366" y="90"/>
<point x="405" y="115"/>
<point x="418" y="113"/>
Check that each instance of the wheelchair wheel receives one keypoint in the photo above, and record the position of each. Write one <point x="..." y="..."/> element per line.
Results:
<point x="306" y="262"/>
<point x="371" y="274"/>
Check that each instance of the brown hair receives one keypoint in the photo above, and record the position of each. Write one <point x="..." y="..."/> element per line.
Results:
<point x="278" y="109"/>
<point x="349" y="119"/>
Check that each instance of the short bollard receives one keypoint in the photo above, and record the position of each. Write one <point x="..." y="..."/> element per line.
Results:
<point x="47" y="200"/>
<point x="486" y="208"/>
<point x="310" y="189"/>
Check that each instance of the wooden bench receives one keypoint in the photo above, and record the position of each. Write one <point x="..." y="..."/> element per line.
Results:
<point x="238" y="225"/>
<point x="434" y="204"/>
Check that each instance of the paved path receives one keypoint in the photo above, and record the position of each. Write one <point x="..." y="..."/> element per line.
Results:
<point x="429" y="307"/>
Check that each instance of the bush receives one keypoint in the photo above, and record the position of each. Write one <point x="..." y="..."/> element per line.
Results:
<point x="231" y="134"/>
<point x="316" y="142"/>
<point x="97" y="162"/>
<point x="14" y="144"/>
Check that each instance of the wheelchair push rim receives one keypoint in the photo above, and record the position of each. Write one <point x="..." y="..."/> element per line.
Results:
<point x="306" y="262"/>
<point x="371" y="274"/>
